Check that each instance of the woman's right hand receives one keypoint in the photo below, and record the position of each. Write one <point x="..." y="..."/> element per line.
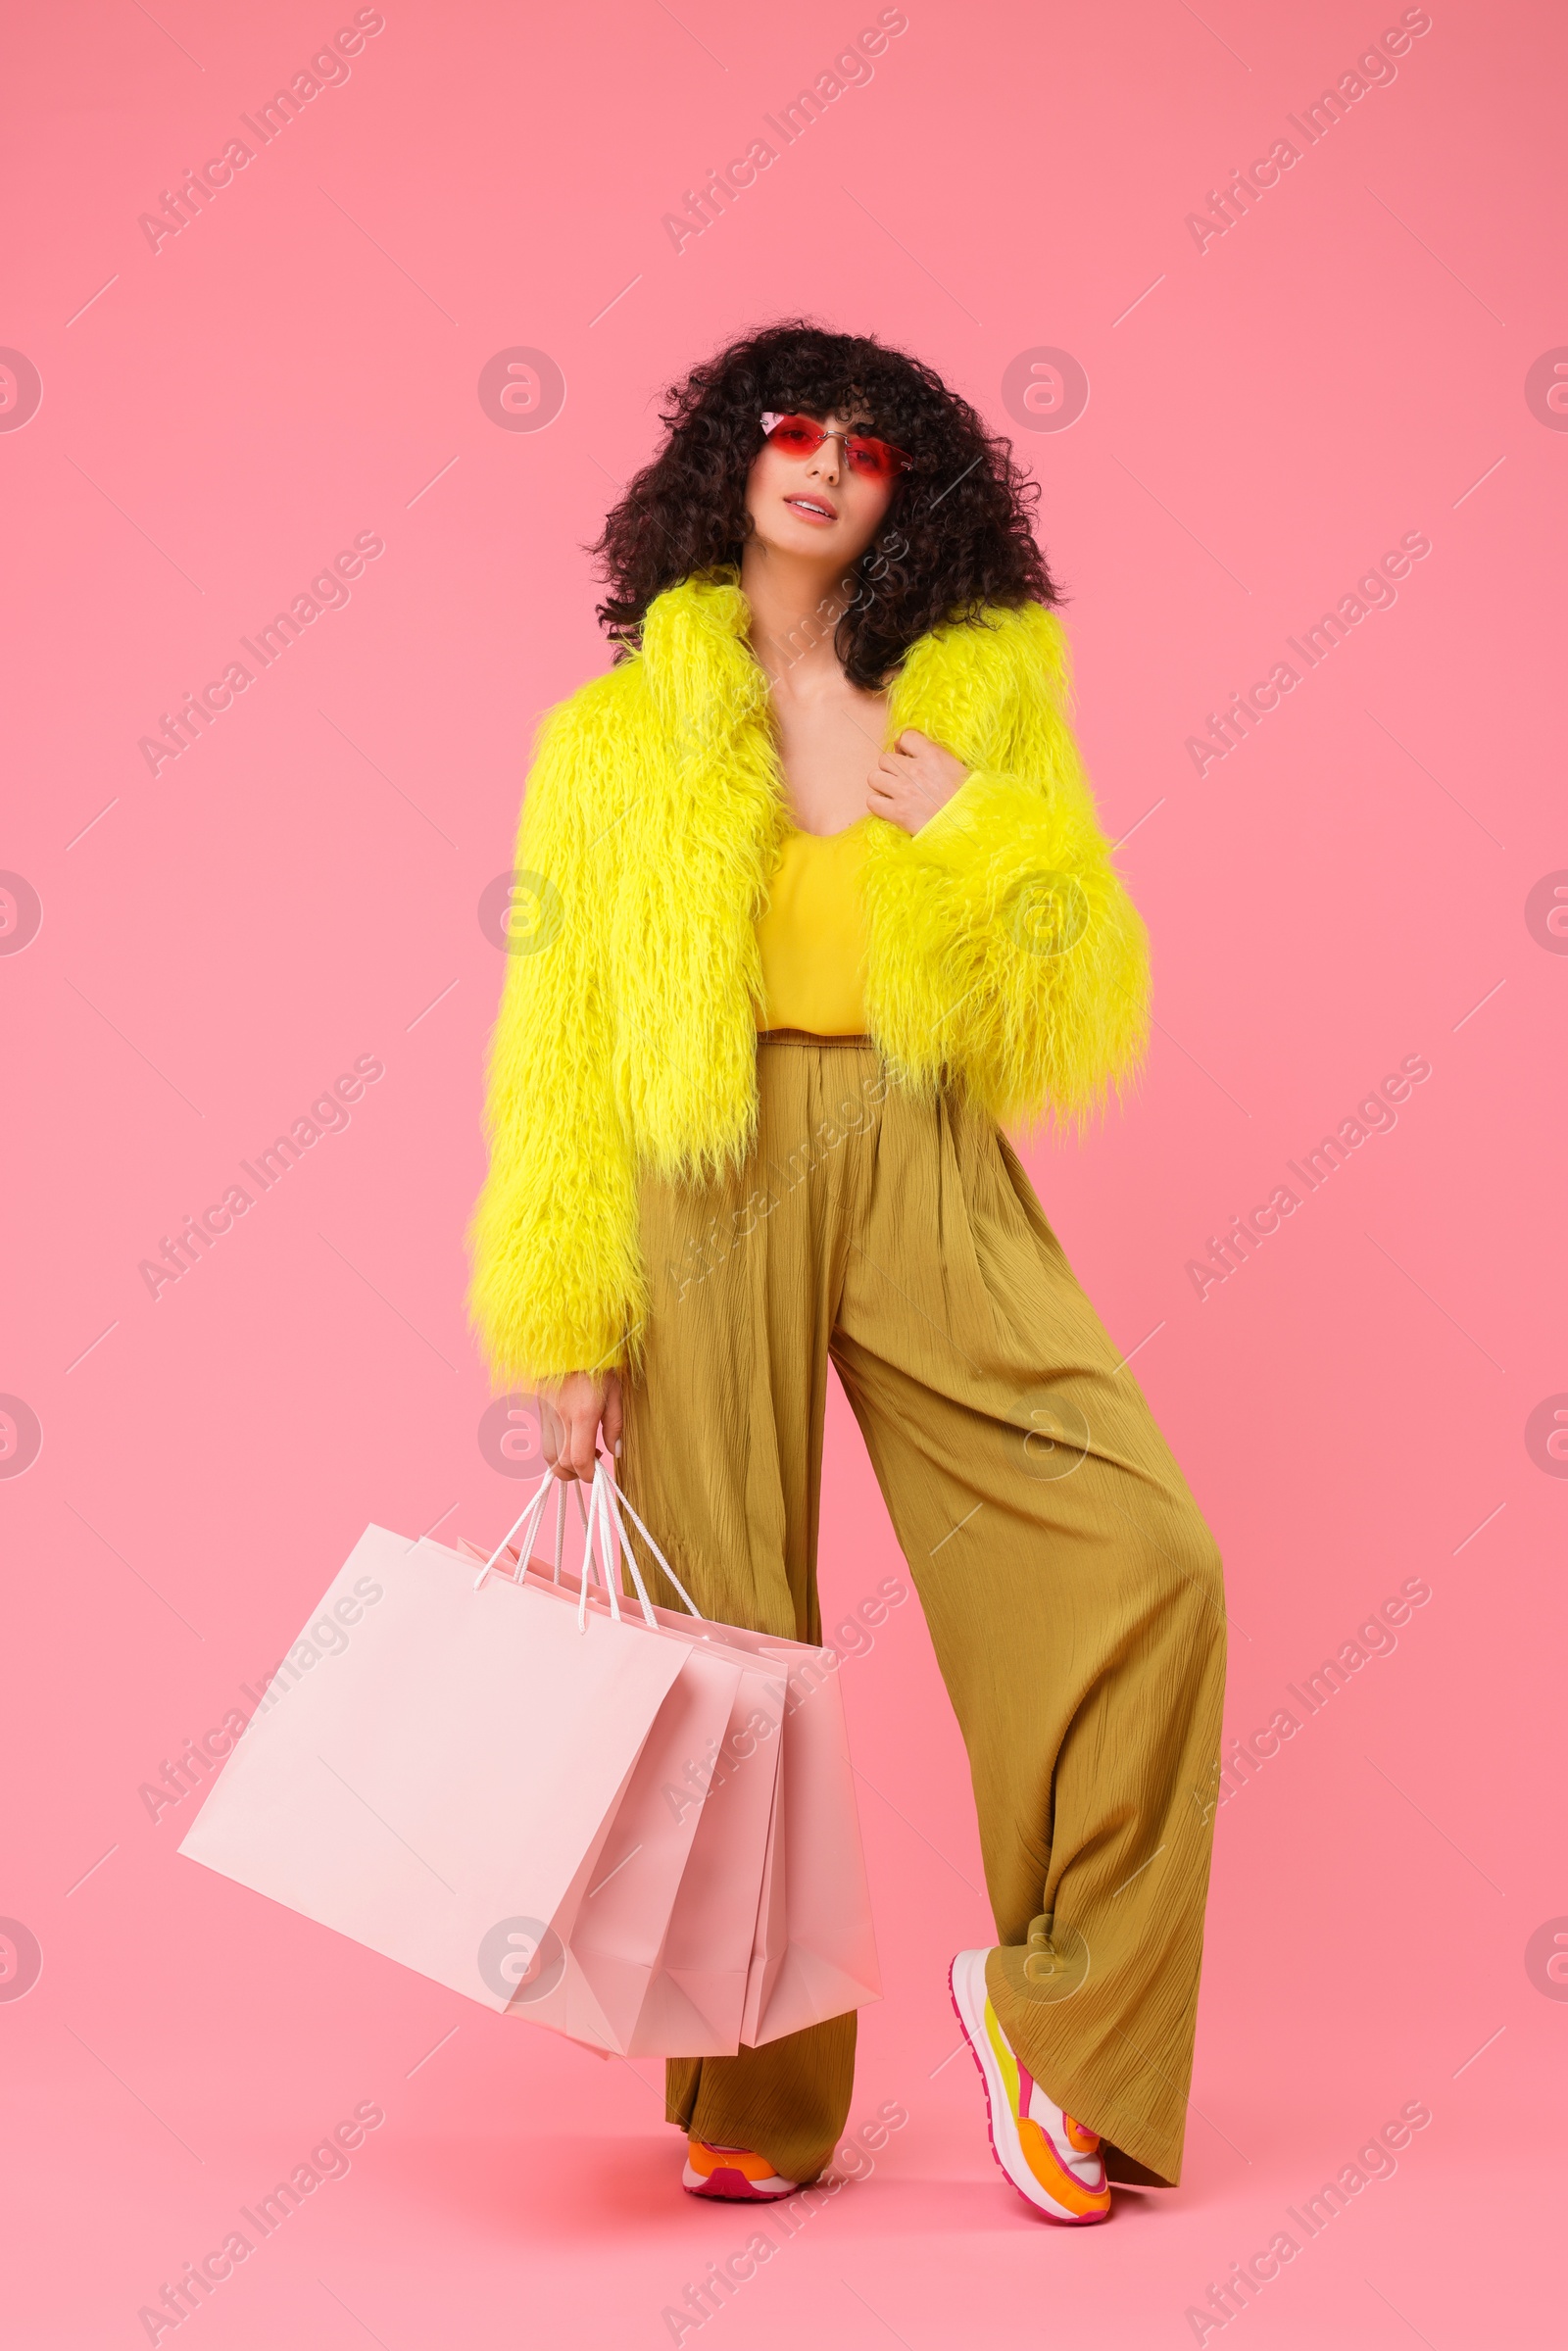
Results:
<point x="570" y="1416"/>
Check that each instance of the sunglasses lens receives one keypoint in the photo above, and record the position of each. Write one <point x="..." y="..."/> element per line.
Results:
<point x="802" y="436"/>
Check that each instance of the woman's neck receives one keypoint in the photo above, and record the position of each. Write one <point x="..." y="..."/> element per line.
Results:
<point x="796" y="607"/>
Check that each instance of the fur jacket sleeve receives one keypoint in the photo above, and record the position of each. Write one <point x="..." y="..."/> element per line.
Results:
<point x="557" y="1277"/>
<point x="1005" y="955"/>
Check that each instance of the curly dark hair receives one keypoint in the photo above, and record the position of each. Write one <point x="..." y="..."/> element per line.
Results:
<point x="957" y="536"/>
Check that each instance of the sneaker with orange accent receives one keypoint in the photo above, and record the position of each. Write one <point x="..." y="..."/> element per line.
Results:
<point x="734" y="2174"/>
<point x="1052" y="2161"/>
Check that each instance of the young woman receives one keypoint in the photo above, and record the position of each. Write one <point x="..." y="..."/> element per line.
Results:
<point x="818" y="901"/>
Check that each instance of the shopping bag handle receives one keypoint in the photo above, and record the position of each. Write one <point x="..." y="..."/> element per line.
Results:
<point x="614" y="1501"/>
<point x="599" y="1546"/>
<point x="606" y="1542"/>
<point x="612" y="1547"/>
<point x="529" y="1520"/>
<point x="532" y="1512"/>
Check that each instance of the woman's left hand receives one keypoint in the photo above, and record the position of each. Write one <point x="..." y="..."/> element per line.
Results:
<point x="913" y="780"/>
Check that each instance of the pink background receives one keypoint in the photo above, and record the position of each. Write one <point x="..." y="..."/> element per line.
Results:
<point x="1349" y="887"/>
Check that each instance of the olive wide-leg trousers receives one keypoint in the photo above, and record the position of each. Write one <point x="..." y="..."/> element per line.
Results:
<point x="1072" y="1590"/>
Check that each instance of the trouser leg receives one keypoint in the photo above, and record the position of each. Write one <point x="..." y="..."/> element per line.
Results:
<point x="723" y="1458"/>
<point x="786" y="2100"/>
<point x="1074" y="1599"/>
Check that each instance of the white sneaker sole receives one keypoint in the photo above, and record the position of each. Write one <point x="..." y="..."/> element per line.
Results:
<point x="966" y="1982"/>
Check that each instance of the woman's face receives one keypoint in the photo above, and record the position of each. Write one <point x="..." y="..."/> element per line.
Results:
<point x="816" y="506"/>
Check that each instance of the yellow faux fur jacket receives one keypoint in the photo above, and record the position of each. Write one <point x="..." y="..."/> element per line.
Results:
<point x="1004" y="958"/>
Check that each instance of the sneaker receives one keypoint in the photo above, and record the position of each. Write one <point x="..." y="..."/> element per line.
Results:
<point x="734" y="2174"/>
<point x="1052" y="2161"/>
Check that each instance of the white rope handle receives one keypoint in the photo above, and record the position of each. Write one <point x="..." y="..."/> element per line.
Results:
<point x="606" y="1485"/>
<point x="592" y="1550"/>
<point x="596" y="1551"/>
<point x="617" y="1500"/>
<point x="606" y="1543"/>
<point x="597" y="1525"/>
<point x="532" y="1512"/>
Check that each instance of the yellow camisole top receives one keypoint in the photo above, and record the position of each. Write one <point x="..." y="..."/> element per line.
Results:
<point x="811" y="935"/>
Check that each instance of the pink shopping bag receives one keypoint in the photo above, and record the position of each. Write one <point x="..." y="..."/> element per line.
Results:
<point x="443" y="1787"/>
<point x="814" y="1949"/>
<point x="681" y="1992"/>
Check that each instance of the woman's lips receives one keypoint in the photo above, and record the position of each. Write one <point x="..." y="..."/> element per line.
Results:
<point x="815" y="509"/>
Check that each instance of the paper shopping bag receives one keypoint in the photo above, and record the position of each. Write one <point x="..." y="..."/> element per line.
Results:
<point x="442" y="1788"/>
<point x="695" y="1989"/>
<point x="814" y="1953"/>
<point x="688" y="1997"/>
<point x="616" y="1987"/>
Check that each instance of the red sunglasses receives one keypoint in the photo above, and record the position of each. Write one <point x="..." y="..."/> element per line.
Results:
<point x="802" y="436"/>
